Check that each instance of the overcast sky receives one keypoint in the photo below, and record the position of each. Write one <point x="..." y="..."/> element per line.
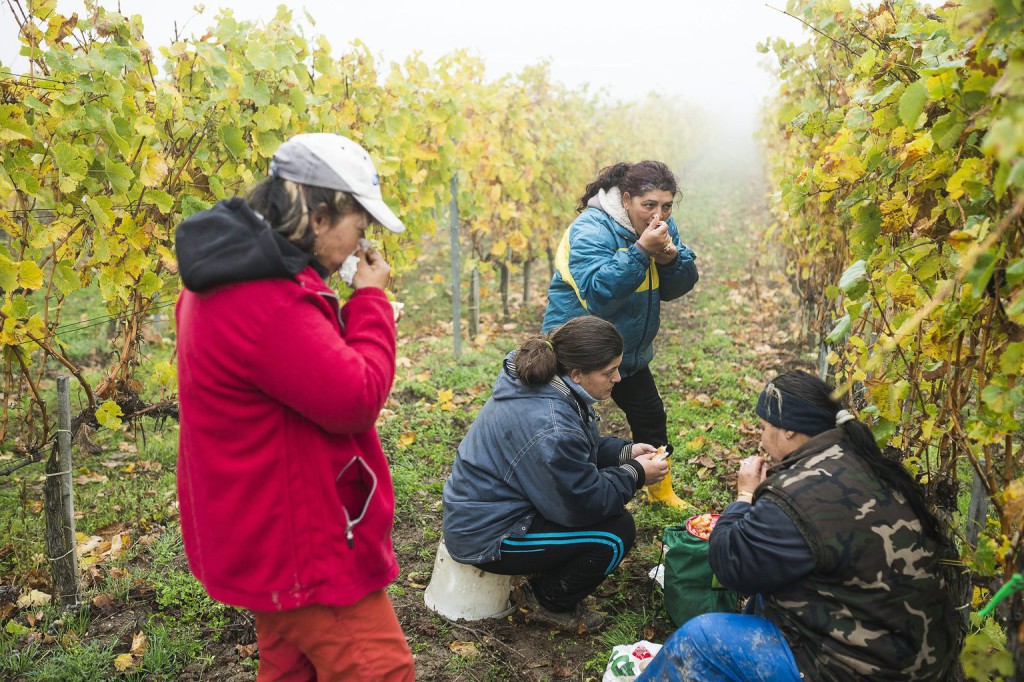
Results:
<point x="704" y="51"/>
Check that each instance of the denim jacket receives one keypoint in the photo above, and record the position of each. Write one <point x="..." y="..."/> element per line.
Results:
<point x="533" y="450"/>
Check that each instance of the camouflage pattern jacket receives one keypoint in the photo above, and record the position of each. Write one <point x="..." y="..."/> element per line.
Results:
<point x="876" y="606"/>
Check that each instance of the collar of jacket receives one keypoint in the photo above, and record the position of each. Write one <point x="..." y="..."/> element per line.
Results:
<point x="611" y="203"/>
<point x="816" y="444"/>
<point x="581" y="400"/>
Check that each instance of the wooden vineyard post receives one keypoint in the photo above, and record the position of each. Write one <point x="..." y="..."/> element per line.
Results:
<point x="60" y="504"/>
<point x="527" y="274"/>
<point x="977" y="511"/>
<point x="453" y="228"/>
<point x="505" y="275"/>
<point x="474" y="304"/>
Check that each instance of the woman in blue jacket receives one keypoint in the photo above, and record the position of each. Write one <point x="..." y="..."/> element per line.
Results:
<point x="535" y="490"/>
<point x="618" y="261"/>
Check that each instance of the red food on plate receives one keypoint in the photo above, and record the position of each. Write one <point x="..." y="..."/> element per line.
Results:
<point x="700" y="526"/>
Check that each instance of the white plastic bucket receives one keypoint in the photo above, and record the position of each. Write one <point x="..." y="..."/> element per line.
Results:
<point x="463" y="592"/>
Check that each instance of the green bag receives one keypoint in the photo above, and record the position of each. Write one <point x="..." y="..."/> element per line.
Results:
<point x="690" y="587"/>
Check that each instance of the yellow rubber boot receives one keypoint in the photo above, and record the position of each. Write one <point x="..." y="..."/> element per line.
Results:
<point x="663" y="493"/>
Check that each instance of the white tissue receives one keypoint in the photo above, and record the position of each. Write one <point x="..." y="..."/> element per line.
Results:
<point x="348" y="268"/>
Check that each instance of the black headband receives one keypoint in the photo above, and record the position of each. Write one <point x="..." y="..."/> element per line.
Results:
<point x="793" y="413"/>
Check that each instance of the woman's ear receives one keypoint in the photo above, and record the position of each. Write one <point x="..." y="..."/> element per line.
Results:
<point x="625" y="199"/>
<point x="318" y="218"/>
<point x="576" y="375"/>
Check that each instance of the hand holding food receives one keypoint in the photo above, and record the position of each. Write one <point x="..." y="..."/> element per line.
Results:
<point x="654" y="470"/>
<point x="642" y="449"/>
<point x="752" y="471"/>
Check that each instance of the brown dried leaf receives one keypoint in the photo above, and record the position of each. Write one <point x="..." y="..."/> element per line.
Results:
<point x="246" y="650"/>
<point x="139" y="644"/>
<point x="103" y="602"/>
<point x="111" y="529"/>
<point x="92" y="477"/>
<point x="467" y="649"/>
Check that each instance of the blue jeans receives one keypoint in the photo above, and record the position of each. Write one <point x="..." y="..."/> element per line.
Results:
<point x="724" y="647"/>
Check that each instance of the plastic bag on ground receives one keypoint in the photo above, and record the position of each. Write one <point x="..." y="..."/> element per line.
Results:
<point x="629" y="660"/>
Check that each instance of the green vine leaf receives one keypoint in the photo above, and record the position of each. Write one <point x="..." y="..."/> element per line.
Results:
<point x="109" y="415"/>
<point x="912" y="103"/>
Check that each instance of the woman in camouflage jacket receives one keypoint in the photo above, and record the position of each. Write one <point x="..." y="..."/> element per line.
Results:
<point x="839" y="546"/>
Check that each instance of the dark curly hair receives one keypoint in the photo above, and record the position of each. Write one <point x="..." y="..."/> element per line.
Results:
<point x="635" y="178"/>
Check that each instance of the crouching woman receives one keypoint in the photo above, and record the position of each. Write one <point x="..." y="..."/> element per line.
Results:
<point x="535" y="490"/>
<point x="851" y="567"/>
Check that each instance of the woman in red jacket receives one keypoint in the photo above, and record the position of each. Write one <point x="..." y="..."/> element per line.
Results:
<point x="286" y="500"/>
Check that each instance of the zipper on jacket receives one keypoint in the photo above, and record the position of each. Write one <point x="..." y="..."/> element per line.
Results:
<point x="335" y="303"/>
<point x="351" y="523"/>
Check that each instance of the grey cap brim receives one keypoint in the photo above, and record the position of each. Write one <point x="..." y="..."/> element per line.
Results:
<point x="381" y="213"/>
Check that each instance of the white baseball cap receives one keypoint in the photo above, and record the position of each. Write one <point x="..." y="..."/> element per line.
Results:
<point x="335" y="162"/>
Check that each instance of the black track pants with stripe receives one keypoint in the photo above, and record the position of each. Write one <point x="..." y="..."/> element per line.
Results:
<point x="565" y="564"/>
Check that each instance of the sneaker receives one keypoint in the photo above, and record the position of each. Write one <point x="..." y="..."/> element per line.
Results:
<point x="578" y="621"/>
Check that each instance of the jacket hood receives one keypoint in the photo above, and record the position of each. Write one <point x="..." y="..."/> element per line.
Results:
<point x="610" y="201"/>
<point x="232" y="243"/>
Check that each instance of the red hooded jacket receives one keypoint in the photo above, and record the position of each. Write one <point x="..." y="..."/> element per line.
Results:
<point x="285" y="495"/>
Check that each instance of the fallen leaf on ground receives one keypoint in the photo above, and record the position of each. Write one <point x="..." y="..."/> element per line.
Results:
<point x="111" y="529"/>
<point x="124" y="662"/>
<point x="464" y="648"/>
<point x="91" y="478"/>
<point x="138" y="644"/>
<point x="245" y="650"/>
<point x="33" y="598"/>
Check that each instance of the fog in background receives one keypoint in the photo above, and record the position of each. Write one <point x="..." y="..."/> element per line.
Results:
<point x="703" y="52"/>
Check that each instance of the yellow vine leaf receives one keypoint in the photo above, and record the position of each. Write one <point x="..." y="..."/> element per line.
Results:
<point x="124" y="662"/>
<point x="1013" y="501"/>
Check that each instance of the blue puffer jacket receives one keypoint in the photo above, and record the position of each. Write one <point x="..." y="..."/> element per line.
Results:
<point x="600" y="271"/>
<point x="533" y="450"/>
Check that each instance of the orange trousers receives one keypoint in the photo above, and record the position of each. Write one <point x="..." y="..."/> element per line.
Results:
<point x="362" y="641"/>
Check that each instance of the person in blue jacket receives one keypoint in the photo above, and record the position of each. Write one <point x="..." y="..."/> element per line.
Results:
<point x="619" y="260"/>
<point x="535" y="489"/>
